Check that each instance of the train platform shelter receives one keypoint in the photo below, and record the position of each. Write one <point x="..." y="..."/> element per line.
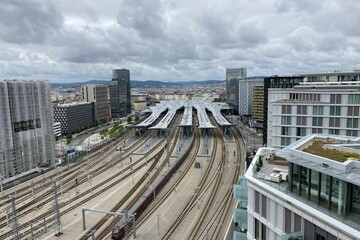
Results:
<point x="186" y="121"/>
<point x="166" y="120"/>
<point x="155" y="114"/>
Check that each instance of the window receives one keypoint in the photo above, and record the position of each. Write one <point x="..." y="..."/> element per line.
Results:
<point x="301" y="121"/>
<point x="285" y="141"/>
<point x="300" y="131"/>
<point x="337" y="196"/>
<point x="334" y="131"/>
<point x="297" y="223"/>
<point x="257" y="229"/>
<point x="318" y="110"/>
<point x="355" y="196"/>
<point x="353" y="111"/>
<point x="335" y="98"/>
<point x="285" y="120"/>
<point x="352" y="133"/>
<point x="287" y="221"/>
<point x="257" y="202"/>
<point x="314" y="186"/>
<point x="335" y="110"/>
<point x="320" y="237"/>
<point x="317" y="121"/>
<point x="352" y="123"/>
<point x="325" y="191"/>
<point x="354" y="99"/>
<point x="285" y="131"/>
<point x="295" y="178"/>
<point x="286" y="109"/>
<point x="334" y="122"/>
<point x="304" y="184"/>
<point x="263" y="206"/>
<point x="316" y="130"/>
<point x="301" y="110"/>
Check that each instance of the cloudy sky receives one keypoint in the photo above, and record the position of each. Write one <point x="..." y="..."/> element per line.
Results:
<point x="79" y="40"/>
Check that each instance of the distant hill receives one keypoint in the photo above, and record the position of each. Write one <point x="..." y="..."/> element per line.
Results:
<point x="136" y="83"/>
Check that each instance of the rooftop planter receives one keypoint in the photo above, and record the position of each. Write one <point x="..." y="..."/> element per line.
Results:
<point x="318" y="148"/>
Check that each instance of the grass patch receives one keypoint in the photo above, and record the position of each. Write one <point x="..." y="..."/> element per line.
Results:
<point x="317" y="148"/>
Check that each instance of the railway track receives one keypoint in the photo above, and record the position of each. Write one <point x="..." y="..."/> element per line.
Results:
<point x="47" y="198"/>
<point x="104" y="226"/>
<point x="202" y="225"/>
<point x="188" y="164"/>
<point x="212" y="229"/>
<point x="193" y="201"/>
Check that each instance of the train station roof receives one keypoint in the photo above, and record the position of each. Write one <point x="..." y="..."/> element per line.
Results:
<point x="173" y="106"/>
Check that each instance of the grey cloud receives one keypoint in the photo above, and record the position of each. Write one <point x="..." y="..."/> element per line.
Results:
<point x="340" y="16"/>
<point x="145" y="16"/>
<point x="284" y="6"/>
<point x="307" y="39"/>
<point x="28" y="21"/>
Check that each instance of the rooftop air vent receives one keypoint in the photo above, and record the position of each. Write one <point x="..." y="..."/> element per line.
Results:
<point x="325" y="165"/>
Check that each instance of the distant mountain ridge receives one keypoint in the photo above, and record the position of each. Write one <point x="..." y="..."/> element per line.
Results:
<point x="136" y="83"/>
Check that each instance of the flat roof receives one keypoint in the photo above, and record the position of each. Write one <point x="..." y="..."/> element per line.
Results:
<point x="348" y="171"/>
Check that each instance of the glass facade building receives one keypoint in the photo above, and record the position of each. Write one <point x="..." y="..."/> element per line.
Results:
<point x="120" y="95"/>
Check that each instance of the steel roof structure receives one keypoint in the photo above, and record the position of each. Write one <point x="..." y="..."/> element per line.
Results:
<point x="173" y="106"/>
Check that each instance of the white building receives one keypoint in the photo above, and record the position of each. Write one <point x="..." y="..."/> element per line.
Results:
<point x="57" y="129"/>
<point x="312" y="108"/>
<point x="26" y="127"/>
<point x="246" y="87"/>
<point x="233" y="76"/>
<point x="333" y="77"/>
<point x="299" y="195"/>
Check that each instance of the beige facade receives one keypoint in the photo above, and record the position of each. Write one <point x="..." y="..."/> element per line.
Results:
<point x="258" y="103"/>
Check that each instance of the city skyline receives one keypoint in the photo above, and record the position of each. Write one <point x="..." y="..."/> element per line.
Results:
<point x="62" y="42"/>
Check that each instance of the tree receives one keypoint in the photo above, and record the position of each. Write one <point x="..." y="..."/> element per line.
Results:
<point x="104" y="131"/>
<point x="137" y="118"/>
<point x="68" y="138"/>
<point x="129" y="119"/>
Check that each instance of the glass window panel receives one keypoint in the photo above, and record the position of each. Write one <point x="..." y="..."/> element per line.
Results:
<point x="324" y="191"/>
<point x="314" y="186"/>
<point x="295" y="178"/>
<point x="297" y="223"/>
<point x="287" y="221"/>
<point x="304" y="182"/>
<point x="257" y="202"/>
<point x="263" y="206"/>
<point x="257" y="229"/>
<point x="355" y="204"/>
<point x="337" y="196"/>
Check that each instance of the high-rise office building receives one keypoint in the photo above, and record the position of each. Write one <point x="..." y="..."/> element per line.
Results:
<point x="233" y="76"/>
<point x="119" y="89"/>
<point x="97" y="94"/>
<point x="26" y="126"/>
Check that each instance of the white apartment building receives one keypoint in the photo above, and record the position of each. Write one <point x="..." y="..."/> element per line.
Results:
<point x="297" y="194"/>
<point x="312" y="108"/>
<point x="246" y="87"/>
